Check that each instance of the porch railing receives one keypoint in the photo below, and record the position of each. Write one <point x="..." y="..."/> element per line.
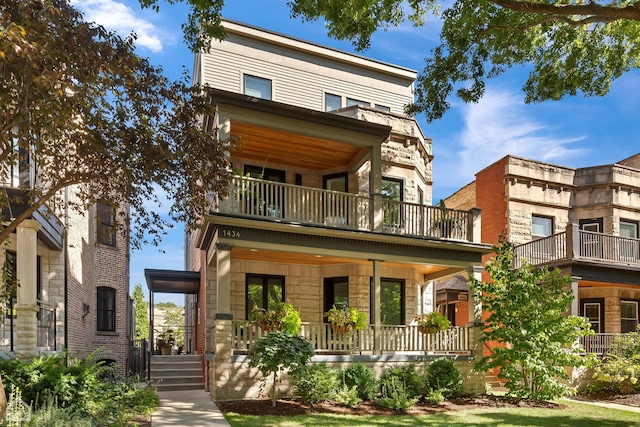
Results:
<point x="393" y="339"/>
<point x="293" y="203"/>
<point x="599" y="344"/>
<point x="580" y="244"/>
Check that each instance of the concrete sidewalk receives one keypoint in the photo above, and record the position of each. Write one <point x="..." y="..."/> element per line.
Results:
<point x="189" y="408"/>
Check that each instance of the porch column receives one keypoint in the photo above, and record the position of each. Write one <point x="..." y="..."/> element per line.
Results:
<point x="475" y="226"/>
<point x="376" y="213"/>
<point x="27" y="305"/>
<point x="475" y="324"/>
<point x="575" y="303"/>
<point x="377" y="339"/>
<point x="223" y="126"/>
<point x="223" y="282"/>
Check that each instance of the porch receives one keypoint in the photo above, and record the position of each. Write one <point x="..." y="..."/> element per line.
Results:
<point x="295" y="204"/>
<point x="389" y="339"/>
<point x="581" y="245"/>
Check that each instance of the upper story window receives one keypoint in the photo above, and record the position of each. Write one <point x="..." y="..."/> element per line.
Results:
<point x="382" y="107"/>
<point x="257" y="87"/>
<point x="332" y="102"/>
<point x="353" y="101"/>
<point x="628" y="229"/>
<point x="106" y="219"/>
<point x="541" y="226"/>
<point x="106" y="309"/>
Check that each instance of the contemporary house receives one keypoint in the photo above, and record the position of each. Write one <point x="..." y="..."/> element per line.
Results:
<point x="70" y="278"/>
<point x="329" y="204"/>
<point x="583" y="221"/>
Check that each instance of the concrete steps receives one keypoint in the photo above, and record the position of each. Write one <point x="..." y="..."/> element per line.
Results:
<point x="495" y="384"/>
<point x="177" y="372"/>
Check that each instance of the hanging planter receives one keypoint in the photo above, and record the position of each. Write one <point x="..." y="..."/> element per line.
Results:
<point x="430" y="323"/>
<point x="346" y="320"/>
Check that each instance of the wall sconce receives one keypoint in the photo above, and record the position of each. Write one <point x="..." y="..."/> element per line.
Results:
<point x="85" y="309"/>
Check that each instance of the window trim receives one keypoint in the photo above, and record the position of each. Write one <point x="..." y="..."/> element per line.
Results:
<point x="599" y="301"/>
<point x="551" y="226"/>
<point x="257" y="78"/>
<point x="329" y="94"/>
<point x="350" y="102"/>
<point x="637" y="318"/>
<point x="628" y="222"/>
<point x="106" y="231"/>
<point x="403" y="298"/>
<point x="265" y="279"/>
<point x="108" y="311"/>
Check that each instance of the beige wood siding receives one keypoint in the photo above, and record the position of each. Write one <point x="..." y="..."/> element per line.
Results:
<point x="300" y="78"/>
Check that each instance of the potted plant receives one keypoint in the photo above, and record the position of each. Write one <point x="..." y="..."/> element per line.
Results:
<point x="345" y="320"/>
<point x="429" y="323"/>
<point x="282" y="317"/>
<point x="166" y="341"/>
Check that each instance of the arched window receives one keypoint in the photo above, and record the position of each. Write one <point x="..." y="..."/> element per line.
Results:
<point x="106" y="311"/>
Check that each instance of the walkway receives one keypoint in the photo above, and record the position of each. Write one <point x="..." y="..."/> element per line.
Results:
<point x="189" y="408"/>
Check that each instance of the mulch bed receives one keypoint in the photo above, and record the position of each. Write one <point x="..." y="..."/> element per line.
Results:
<point x="286" y="407"/>
<point x="610" y="397"/>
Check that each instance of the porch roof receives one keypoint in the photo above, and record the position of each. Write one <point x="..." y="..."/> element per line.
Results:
<point x="172" y="281"/>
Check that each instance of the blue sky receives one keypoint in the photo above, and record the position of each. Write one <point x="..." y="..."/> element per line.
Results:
<point x="573" y="132"/>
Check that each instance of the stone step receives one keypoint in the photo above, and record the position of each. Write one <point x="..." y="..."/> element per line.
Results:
<point x="172" y="372"/>
<point x="176" y="387"/>
<point x="179" y="380"/>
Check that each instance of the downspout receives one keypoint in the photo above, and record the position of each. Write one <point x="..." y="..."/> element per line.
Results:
<point x="66" y="268"/>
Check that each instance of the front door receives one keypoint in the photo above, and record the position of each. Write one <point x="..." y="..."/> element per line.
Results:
<point x="335" y="205"/>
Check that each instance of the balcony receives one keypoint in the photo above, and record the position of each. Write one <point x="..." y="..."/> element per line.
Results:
<point x="273" y="201"/>
<point x="393" y="339"/>
<point x="581" y="245"/>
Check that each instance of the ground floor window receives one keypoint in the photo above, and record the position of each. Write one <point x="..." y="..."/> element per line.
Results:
<point x="106" y="309"/>
<point x="593" y="310"/>
<point x="628" y="316"/>
<point x="263" y="291"/>
<point x="392" y="301"/>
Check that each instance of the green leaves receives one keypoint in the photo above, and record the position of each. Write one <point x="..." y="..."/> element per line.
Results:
<point x="535" y="339"/>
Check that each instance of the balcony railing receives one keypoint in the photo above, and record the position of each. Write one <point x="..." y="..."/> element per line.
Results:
<point x="599" y="344"/>
<point x="393" y="339"/>
<point x="579" y="244"/>
<point x="276" y="201"/>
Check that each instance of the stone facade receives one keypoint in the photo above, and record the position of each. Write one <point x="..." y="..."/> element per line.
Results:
<point x="513" y="190"/>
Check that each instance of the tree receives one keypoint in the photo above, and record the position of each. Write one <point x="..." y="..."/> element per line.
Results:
<point x="82" y="111"/>
<point x="573" y="46"/>
<point x="278" y="350"/>
<point x="536" y="340"/>
<point x="142" y="313"/>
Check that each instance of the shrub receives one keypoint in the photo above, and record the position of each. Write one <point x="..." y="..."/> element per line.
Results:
<point x="395" y="395"/>
<point x="363" y="378"/>
<point x="51" y="415"/>
<point x="348" y="397"/>
<point x="443" y="375"/>
<point x="407" y="375"/>
<point x="434" y="397"/>
<point x="621" y="371"/>
<point x="316" y="383"/>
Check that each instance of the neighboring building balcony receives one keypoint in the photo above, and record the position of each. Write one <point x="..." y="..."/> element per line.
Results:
<point x="287" y="203"/>
<point x="576" y="245"/>
<point x="388" y="339"/>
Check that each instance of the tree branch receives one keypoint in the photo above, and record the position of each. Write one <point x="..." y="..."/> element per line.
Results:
<point x="592" y="10"/>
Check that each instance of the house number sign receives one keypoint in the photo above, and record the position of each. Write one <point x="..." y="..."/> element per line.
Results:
<point x="233" y="234"/>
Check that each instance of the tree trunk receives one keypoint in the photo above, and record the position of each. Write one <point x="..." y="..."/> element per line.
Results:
<point x="3" y="401"/>
<point x="273" y="390"/>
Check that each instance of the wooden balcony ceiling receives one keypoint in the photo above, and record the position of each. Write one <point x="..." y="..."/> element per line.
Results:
<point x="290" y="149"/>
<point x="297" y="258"/>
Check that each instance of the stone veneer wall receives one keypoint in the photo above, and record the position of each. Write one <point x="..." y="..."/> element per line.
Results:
<point x="612" y="297"/>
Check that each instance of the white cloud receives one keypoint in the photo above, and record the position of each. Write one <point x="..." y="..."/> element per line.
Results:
<point x="122" y="19"/>
<point x="500" y="124"/>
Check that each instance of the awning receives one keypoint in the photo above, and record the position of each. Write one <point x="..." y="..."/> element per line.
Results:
<point x="172" y="281"/>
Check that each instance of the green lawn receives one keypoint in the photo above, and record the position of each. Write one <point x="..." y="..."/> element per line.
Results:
<point x="576" y="415"/>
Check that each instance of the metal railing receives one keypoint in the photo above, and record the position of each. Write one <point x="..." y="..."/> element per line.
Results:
<point x="580" y="244"/>
<point x="599" y="344"/>
<point x="393" y="339"/>
<point x="46" y="327"/>
<point x="46" y="324"/>
<point x="293" y="203"/>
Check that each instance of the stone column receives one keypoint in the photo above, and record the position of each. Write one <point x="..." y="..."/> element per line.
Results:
<point x="377" y="215"/>
<point x="377" y="347"/>
<point x="27" y="274"/>
<point x="223" y="257"/>
<point x="475" y="323"/>
<point x="575" y="303"/>
<point x="220" y="386"/>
